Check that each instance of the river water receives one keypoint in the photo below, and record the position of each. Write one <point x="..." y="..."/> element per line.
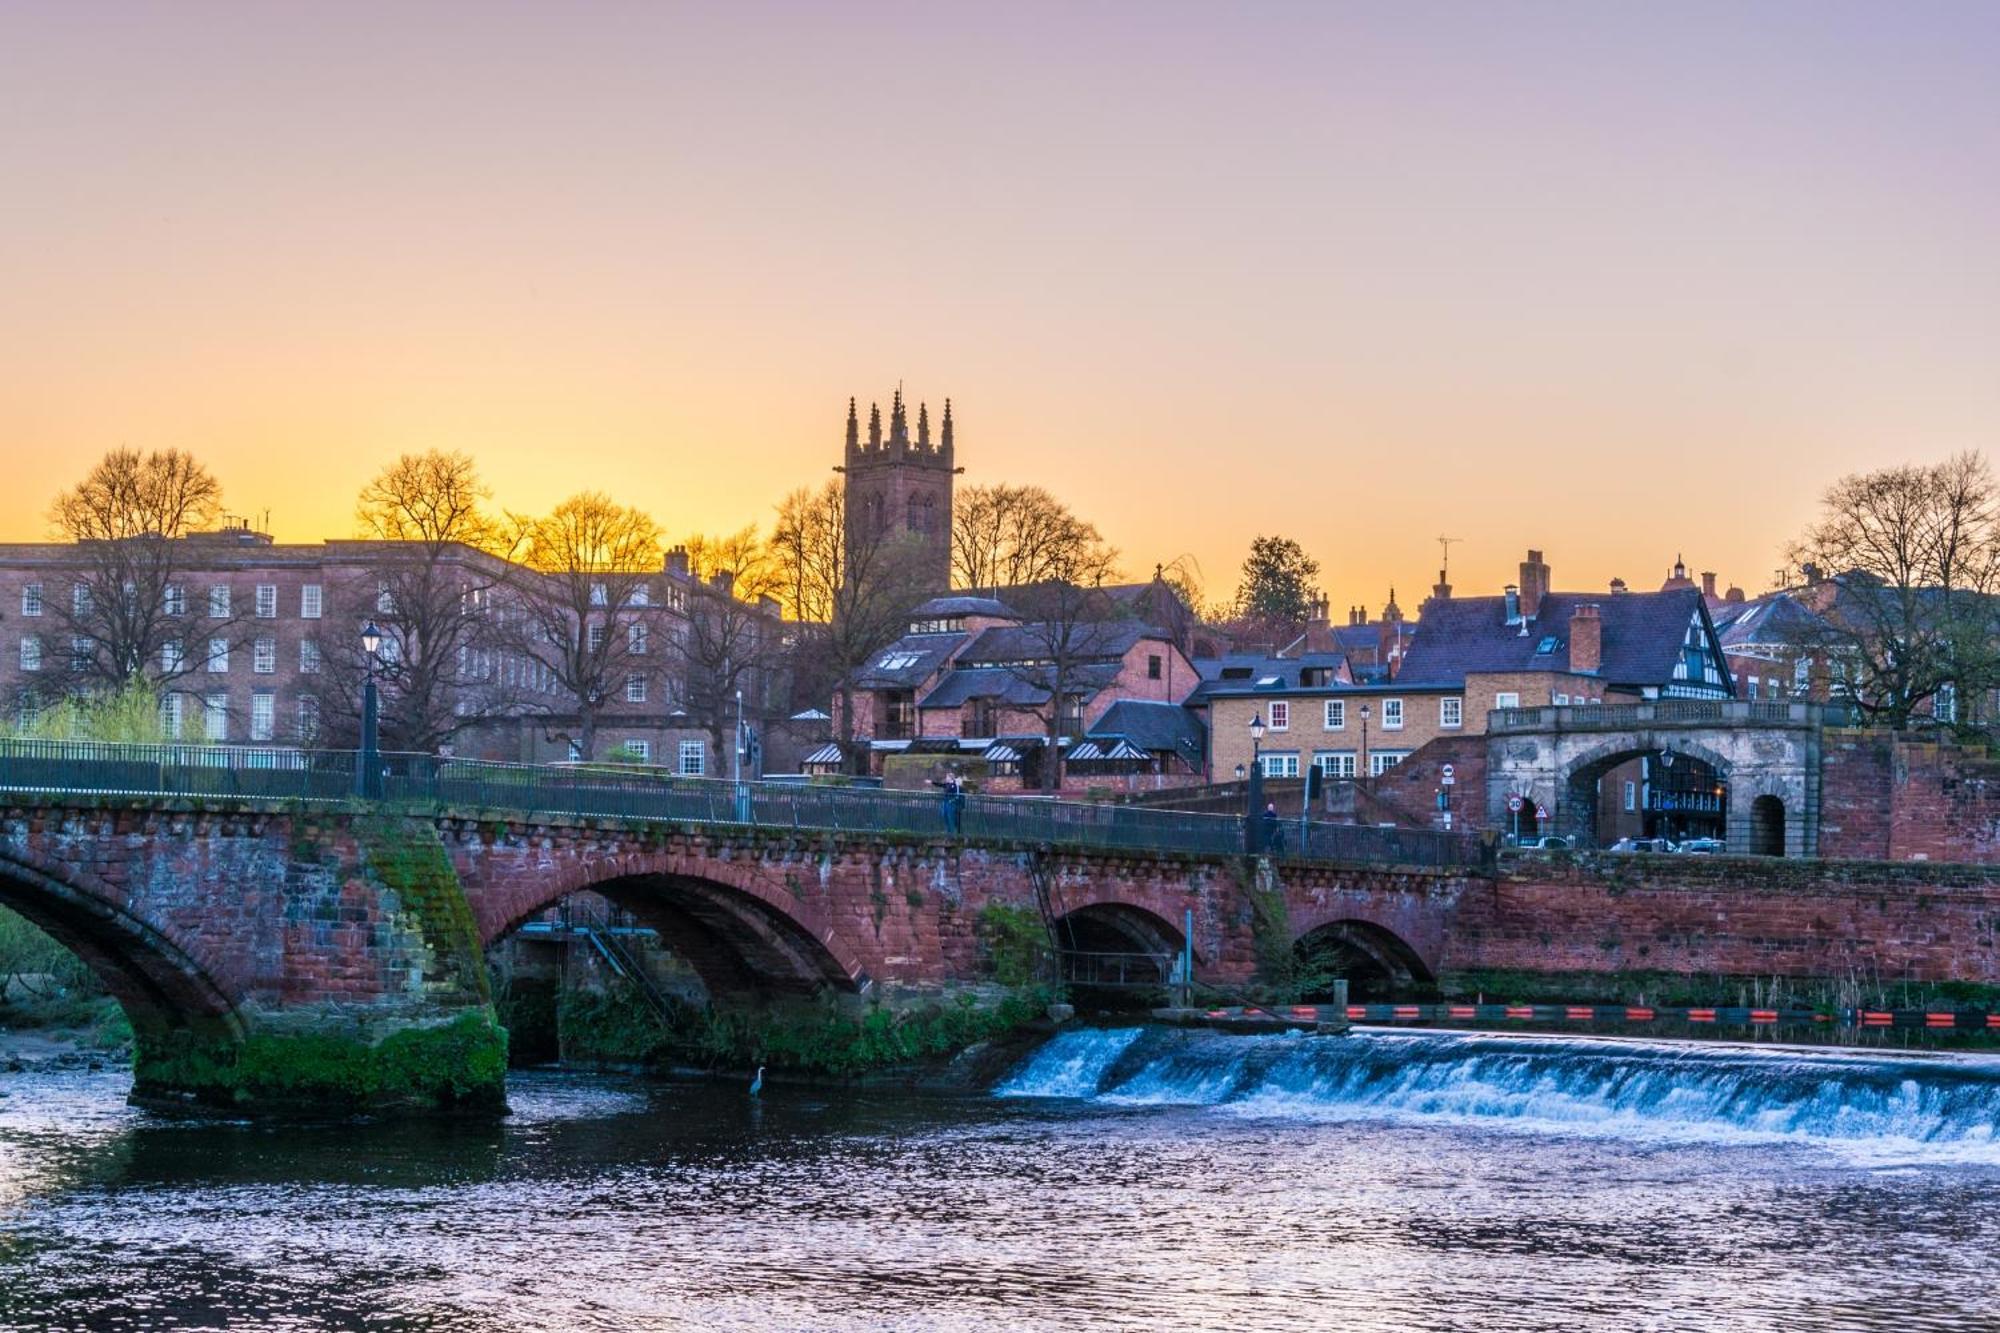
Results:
<point x="1117" y="1180"/>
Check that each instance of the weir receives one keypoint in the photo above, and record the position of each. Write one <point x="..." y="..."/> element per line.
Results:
<point x="1929" y="1107"/>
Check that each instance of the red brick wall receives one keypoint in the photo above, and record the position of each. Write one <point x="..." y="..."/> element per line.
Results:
<point x="1719" y="916"/>
<point x="1893" y="799"/>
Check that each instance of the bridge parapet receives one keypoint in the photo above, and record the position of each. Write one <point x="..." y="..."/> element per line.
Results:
<point x="1657" y="714"/>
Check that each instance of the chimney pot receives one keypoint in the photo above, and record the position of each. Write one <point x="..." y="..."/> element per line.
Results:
<point x="1586" y="639"/>
<point x="1534" y="584"/>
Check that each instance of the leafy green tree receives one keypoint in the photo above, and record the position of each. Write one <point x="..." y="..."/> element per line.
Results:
<point x="1277" y="586"/>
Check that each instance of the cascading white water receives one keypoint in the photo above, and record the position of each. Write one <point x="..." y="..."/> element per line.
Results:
<point x="1896" y="1107"/>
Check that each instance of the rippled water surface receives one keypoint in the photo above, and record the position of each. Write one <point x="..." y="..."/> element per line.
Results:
<point x="1119" y="1181"/>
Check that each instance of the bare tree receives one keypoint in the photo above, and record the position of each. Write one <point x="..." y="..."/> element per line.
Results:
<point x="429" y="585"/>
<point x="1062" y="655"/>
<point x="1007" y="536"/>
<point x="128" y="614"/>
<point x="848" y="600"/>
<point x="730" y="643"/>
<point x="1902" y="570"/>
<point x="579" y="603"/>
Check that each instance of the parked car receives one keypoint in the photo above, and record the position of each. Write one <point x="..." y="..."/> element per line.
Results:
<point x="1549" y="844"/>
<point x="1642" y="845"/>
<point x="1703" y="847"/>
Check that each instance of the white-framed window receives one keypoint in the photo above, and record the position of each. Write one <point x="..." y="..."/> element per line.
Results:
<point x="385" y="600"/>
<point x="311" y="599"/>
<point x="1561" y="701"/>
<point x="308" y="722"/>
<point x="635" y="640"/>
<point x="267" y="601"/>
<point x="218" y="601"/>
<point x="1802" y="674"/>
<point x="81" y="650"/>
<point x="1335" y="763"/>
<point x="79" y="600"/>
<point x="694" y="759"/>
<point x="264" y="655"/>
<point x="31" y="599"/>
<point x="1281" y="763"/>
<point x="1451" y="711"/>
<point x="1381" y="761"/>
<point x="1336" y="715"/>
<point x="215" y="716"/>
<point x="1631" y="796"/>
<point x="1944" y="704"/>
<point x="173" y="657"/>
<point x="170" y="716"/>
<point x="218" y="656"/>
<point x="391" y="651"/>
<point x="1281" y="715"/>
<point x="1507" y="699"/>
<point x="593" y="638"/>
<point x="309" y="657"/>
<point x="1750" y="685"/>
<point x="635" y="689"/>
<point x="263" y="714"/>
<point x="31" y="652"/>
<point x="599" y="595"/>
<point x="174" y="600"/>
<point x="642" y="595"/>
<point x="1392" y="715"/>
<point x="640" y="750"/>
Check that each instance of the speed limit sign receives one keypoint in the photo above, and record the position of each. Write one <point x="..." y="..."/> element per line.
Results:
<point x="1513" y="805"/>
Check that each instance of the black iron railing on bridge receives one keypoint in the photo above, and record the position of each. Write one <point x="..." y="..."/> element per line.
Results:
<point x="632" y="793"/>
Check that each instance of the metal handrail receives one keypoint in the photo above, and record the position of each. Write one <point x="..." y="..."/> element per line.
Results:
<point x="615" y="792"/>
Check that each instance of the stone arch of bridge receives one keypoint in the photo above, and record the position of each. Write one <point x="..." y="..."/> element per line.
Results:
<point x="1110" y="942"/>
<point x="162" y="987"/>
<point x="743" y="931"/>
<point x="1376" y="962"/>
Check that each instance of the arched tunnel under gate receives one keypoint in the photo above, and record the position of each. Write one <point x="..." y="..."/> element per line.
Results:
<point x="1375" y="963"/>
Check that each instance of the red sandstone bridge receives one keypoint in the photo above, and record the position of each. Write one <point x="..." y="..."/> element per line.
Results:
<point x="245" y="910"/>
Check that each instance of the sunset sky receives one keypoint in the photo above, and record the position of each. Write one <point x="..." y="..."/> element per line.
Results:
<point x="1613" y="280"/>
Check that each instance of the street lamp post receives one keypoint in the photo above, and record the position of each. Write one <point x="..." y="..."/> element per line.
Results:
<point x="1361" y="769"/>
<point x="368" y="769"/>
<point x="1253" y="827"/>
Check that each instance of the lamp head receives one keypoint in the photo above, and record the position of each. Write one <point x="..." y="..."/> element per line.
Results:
<point x="371" y="638"/>
<point x="1256" y="726"/>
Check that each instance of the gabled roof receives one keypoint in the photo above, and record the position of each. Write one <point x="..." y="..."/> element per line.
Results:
<point x="908" y="662"/>
<point x="1153" y="726"/>
<point x="1094" y="639"/>
<point x="962" y="604"/>
<point x="1021" y="686"/>
<point x="1777" y="618"/>
<point x="1641" y="636"/>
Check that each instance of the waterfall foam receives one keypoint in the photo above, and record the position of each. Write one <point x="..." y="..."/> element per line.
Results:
<point x="1887" y="1107"/>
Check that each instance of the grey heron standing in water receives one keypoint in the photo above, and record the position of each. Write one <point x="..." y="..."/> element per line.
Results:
<point x="757" y="1083"/>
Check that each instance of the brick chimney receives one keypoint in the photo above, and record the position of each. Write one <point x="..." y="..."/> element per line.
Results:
<point x="1586" y="639"/>
<point x="1708" y="585"/>
<point x="1534" y="584"/>
<point x="677" y="562"/>
<point x="1618" y="588"/>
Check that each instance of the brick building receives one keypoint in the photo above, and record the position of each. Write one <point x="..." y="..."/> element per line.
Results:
<point x="251" y="641"/>
<point x="901" y="485"/>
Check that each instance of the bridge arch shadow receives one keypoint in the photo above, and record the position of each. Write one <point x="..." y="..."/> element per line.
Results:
<point x="162" y="988"/>
<point x="742" y="944"/>
<point x="1376" y="963"/>
<point x="1116" y="945"/>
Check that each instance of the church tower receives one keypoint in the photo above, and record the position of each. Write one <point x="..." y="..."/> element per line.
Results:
<point x="899" y="488"/>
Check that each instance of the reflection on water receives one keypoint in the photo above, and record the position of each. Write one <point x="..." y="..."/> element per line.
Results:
<point x="1190" y="1183"/>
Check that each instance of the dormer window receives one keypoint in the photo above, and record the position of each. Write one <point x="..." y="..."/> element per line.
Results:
<point x="896" y="661"/>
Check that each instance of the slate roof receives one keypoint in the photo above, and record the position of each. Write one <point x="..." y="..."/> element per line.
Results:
<point x="1028" y="643"/>
<point x="1154" y="727"/>
<point x="1776" y="619"/>
<point x="1016" y="686"/>
<point x="1246" y="673"/>
<point x="1642" y="635"/>
<point x="927" y="652"/>
<point x="961" y="604"/>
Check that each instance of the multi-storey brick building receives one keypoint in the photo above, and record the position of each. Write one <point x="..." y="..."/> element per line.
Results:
<point x="257" y="642"/>
<point x="901" y="486"/>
